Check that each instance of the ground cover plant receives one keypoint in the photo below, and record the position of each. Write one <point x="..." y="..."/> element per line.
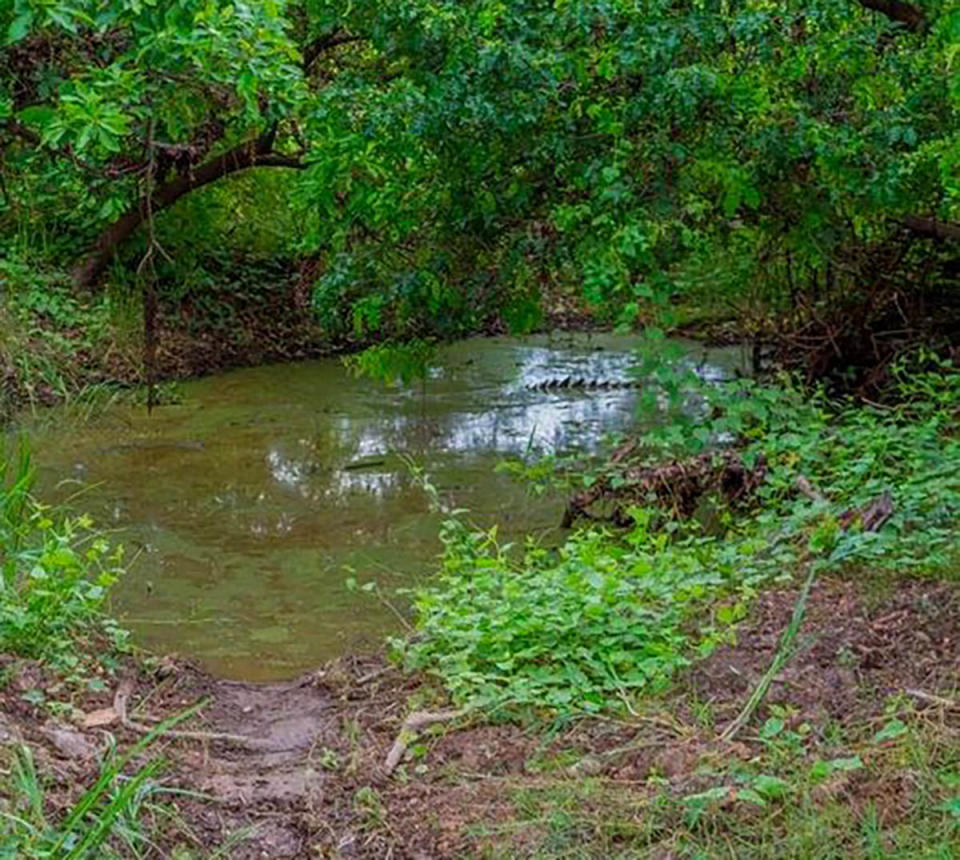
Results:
<point x="609" y="616"/>
<point x="57" y="573"/>
<point x="746" y="647"/>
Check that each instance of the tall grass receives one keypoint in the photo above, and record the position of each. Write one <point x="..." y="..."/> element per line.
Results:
<point x="104" y="822"/>
<point x="17" y="479"/>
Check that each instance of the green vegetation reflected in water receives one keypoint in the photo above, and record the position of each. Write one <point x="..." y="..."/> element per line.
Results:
<point x="245" y="503"/>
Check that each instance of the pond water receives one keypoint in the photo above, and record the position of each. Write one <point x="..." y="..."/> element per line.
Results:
<point x="244" y="505"/>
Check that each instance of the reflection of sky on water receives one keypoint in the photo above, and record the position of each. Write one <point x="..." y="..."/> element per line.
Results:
<point x="547" y="422"/>
<point x="473" y="414"/>
<point x="288" y="472"/>
<point x="528" y="422"/>
<point x="250" y="498"/>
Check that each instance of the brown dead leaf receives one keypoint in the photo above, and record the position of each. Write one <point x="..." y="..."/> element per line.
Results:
<point x="102" y="717"/>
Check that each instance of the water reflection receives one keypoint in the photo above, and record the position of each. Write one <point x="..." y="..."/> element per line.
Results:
<point x="253" y="496"/>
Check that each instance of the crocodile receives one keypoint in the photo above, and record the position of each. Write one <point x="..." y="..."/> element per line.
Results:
<point x="577" y="383"/>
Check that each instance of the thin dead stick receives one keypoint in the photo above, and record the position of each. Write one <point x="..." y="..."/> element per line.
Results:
<point x="592" y="763"/>
<point x="408" y="731"/>
<point x="400" y="617"/>
<point x="120" y="706"/>
<point x="304" y="680"/>
<point x="872" y="517"/>
<point x="808" y="490"/>
<point x="784" y="652"/>
<point x="373" y="675"/>
<point x="933" y="699"/>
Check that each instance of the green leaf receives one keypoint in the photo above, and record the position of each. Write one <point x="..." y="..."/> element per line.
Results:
<point x="845" y="764"/>
<point x="751" y="796"/>
<point x="771" y="786"/>
<point x="20" y="26"/>
<point x="771" y="728"/>
<point x="892" y="730"/>
<point x="38" y="115"/>
<point x="951" y="807"/>
<point x="711" y="795"/>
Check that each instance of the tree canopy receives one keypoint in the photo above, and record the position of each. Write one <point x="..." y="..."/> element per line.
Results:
<point x="441" y="151"/>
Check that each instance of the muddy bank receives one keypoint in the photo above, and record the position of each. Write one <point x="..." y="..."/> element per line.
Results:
<point x="302" y="771"/>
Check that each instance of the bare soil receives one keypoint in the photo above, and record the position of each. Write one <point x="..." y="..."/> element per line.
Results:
<point x="310" y="782"/>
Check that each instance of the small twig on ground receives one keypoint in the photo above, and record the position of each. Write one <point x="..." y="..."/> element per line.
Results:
<point x="408" y="731"/>
<point x="933" y="699"/>
<point x="807" y="489"/>
<point x="120" y="706"/>
<point x="304" y="680"/>
<point x="373" y="675"/>
<point x="592" y="764"/>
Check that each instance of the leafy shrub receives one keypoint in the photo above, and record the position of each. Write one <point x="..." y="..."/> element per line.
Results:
<point x="56" y="575"/>
<point x="579" y="630"/>
<point x="605" y="617"/>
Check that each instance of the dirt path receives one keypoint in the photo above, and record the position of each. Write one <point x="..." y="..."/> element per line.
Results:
<point x="311" y="782"/>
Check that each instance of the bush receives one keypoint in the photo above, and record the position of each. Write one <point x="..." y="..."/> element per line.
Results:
<point x="56" y="575"/>
<point x="592" y="624"/>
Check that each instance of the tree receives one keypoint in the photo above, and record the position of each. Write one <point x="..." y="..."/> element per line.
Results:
<point x="452" y="150"/>
<point x="137" y="95"/>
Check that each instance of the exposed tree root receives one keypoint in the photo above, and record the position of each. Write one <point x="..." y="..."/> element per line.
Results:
<point x="411" y="726"/>
<point x="931" y="699"/>
<point x="874" y="304"/>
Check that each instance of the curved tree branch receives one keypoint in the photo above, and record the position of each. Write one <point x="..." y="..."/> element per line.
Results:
<point x="252" y="153"/>
<point x="312" y="51"/>
<point x="931" y="228"/>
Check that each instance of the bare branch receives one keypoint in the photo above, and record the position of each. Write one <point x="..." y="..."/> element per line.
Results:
<point x="249" y="154"/>
<point x="931" y="227"/>
<point x="312" y="52"/>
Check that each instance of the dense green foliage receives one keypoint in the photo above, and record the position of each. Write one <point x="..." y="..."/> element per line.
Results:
<point x="223" y="173"/>
<point x="590" y="626"/>
<point x="56" y="575"/>
<point x="436" y="162"/>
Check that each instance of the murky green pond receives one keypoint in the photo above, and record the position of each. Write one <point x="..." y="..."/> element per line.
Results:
<point x="245" y="504"/>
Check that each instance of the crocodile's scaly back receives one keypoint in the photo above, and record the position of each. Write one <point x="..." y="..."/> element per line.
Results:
<point x="576" y="383"/>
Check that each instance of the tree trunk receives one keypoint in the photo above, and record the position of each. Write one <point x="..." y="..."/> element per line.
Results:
<point x="253" y="153"/>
